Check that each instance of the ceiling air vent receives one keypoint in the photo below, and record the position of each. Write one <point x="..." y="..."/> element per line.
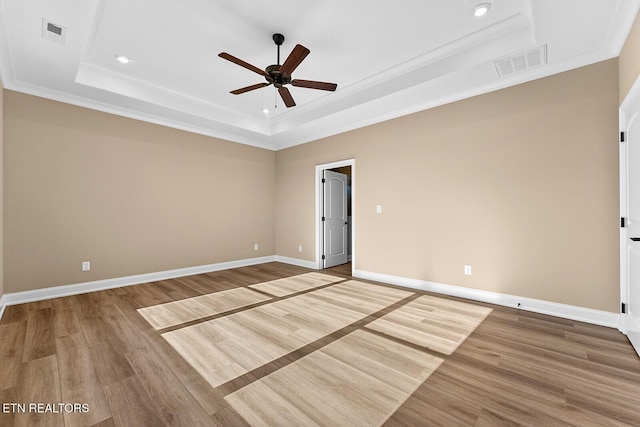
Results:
<point x="53" y="32"/>
<point x="522" y="61"/>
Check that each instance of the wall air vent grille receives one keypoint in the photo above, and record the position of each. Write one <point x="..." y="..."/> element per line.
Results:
<point x="522" y="61"/>
<point x="53" y="32"/>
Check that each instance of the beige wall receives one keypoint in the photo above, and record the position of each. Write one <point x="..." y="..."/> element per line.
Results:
<point x="630" y="60"/>
<point x="129" y="196"/>
<point x="521" y="183"/>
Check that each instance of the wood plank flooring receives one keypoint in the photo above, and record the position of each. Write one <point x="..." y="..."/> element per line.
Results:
<point x="515" y="368"/>
<point x="360" y="379"/>
<point x="228" y="347"/>
<point x="432" y="322"/>
<point x="292" y="285"/>
<point x="185" y="310"/>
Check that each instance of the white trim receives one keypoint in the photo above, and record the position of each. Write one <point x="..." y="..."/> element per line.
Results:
<point x="625" y="16"/>
<point x="3" y="304"/>
<point x="118" y="282"/>
<point x="588" y="315"/>
<point x="632" y="331"/>
<point x="402" y="103"/>
<point x="283" y="130"/>
<point x="296" y="261"/>
<point x="319" y="204"/>
<point x="368" y="113"/>
<point x="631" y="98"/>
<point x="623" y="214"/>
<point x="220" y="131"/>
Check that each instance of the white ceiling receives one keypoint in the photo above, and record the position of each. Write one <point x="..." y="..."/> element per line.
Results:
<point x="388" y="58"/>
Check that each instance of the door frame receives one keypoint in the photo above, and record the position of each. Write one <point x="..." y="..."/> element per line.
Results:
<point x="624" y="291"/>
<point x="626" y="114"/>
<point x="320" y="204"/>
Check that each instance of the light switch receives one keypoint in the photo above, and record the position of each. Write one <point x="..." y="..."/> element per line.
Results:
<point x="379" y="209"/>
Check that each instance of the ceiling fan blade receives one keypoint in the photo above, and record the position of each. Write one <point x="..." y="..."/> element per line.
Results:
<point x="248" y="88"/>
<point x="286" y="97"/>
<point x="310" y="84"/>
<point x="295" y="58"/>
<point x="240" y="62"/>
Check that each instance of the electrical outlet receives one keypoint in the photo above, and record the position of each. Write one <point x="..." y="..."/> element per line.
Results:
<point x="299" y="248"/>
<point x="255" y="247"/>
<point x="86" y="265"/>
<point x="467" y="270"/>
<point x="378" y="208"/>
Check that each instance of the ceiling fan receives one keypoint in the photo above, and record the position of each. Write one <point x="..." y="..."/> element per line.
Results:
<point x="280" y="75"/>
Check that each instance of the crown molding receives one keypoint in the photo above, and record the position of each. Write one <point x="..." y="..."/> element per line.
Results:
<point x="238" y="135"/>
<point x="377" y="99"/>
<point x="626" y="12"/>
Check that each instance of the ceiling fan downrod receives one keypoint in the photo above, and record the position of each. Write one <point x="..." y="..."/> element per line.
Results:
<point x="278" y="39"/>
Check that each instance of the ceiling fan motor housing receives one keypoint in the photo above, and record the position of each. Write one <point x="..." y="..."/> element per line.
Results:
<point x="275" y="77"/>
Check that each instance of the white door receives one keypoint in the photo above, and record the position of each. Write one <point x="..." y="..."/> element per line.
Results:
<point x="631" y="233"/>
<point x="335" y="218"/>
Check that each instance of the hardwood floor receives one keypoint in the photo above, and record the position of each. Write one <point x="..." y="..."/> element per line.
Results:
<point x="162" y="316"/>
<point x="228" y="347"/>
<point x="514" y="368"/>
<point x="295" y="284"/>
<point x="326" y="386"/>
<point x="431" y="322"/>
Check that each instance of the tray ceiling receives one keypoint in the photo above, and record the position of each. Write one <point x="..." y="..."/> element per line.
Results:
<point x="388" y="58"/>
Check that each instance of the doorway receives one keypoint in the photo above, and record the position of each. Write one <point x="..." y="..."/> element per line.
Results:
<point x="630" y="216"/>
<point x="335" y="214"/>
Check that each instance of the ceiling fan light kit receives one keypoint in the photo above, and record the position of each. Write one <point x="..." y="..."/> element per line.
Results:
<point x="280" y="75"/>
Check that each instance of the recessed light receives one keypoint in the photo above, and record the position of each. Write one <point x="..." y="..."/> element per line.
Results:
<point x="123" y="59"/>
<point x="481" y="9"/>
<point x="266" y="111"/>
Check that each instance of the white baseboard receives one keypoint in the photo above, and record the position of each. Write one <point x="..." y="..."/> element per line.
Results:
<point x="118" y="282"/>
<point x="581" y="314"/>
<point x="631" y="328"/>
<point x="3" y="305"/>
<point x="295" y="261"/>
<point x="588" y="315"/>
